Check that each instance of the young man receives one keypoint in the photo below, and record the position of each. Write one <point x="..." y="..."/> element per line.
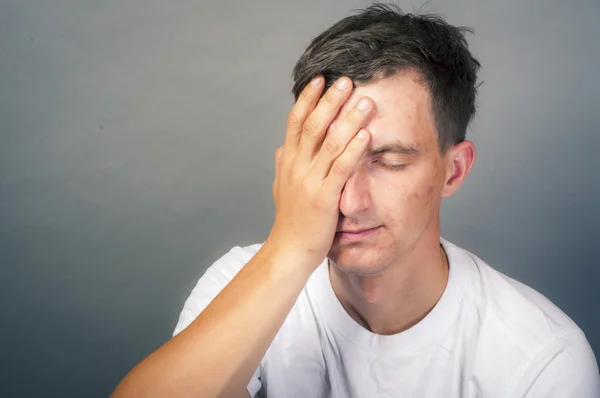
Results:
<point x="354" y="293"/>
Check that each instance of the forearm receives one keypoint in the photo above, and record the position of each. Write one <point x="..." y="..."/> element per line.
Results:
<point x="218" y="353"/>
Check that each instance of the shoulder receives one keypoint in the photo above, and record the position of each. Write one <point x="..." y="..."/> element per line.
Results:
<point x="566" y="367"/>
<point x="229" y="264"/>
<point x="522" y="335"/>
<point x="223" y="270"/>
<point x="214" y="279"/>
<point x="519" y="312"/>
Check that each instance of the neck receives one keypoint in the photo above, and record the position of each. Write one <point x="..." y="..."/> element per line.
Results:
<point x="401" y="295"/>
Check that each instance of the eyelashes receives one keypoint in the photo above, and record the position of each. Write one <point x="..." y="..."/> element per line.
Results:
<point x="389" y="166"/>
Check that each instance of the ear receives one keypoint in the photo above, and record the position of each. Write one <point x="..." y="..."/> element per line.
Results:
<point x="459" y="160"/>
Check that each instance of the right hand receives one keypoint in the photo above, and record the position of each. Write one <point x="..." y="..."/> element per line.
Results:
<point x="311" y="170"/>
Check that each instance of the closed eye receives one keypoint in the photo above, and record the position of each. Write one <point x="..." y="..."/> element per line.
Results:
<point x="389" y="166"/>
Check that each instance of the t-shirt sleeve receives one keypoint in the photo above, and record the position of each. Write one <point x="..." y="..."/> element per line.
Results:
<point x="565" y="369"/>
<point x="216" y="277"/>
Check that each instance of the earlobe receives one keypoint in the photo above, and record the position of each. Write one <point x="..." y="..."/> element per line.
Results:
<point x="460" y="159"/>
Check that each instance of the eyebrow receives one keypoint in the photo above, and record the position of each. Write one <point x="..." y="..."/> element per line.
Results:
<point x="393" y="147"/>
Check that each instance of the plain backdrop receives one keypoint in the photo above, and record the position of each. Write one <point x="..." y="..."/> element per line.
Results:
<point x="136" y="147"/>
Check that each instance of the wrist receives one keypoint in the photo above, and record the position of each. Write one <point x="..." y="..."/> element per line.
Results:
<point x="291" y="256"/>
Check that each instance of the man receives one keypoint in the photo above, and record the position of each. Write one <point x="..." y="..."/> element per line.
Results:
<point x="354" y="293"/>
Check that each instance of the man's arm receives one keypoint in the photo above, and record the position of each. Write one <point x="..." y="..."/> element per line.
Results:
<point x="565" y="369"/>
<point x="217" y="354"/>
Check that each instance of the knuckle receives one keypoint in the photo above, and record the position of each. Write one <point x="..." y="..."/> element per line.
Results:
<point x="338" y="167"/>
<point x="331" y="145"/>
<point x="293" y="119"/>
<point x="351" y="125"/>
<point x="355" y="117"/>
<point x="327" y="101"/>
<point x="304" y="97"/>
<point x="310" y="127"/>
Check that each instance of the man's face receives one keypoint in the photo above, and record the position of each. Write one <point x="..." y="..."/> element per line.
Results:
<point x="398" y="191"/>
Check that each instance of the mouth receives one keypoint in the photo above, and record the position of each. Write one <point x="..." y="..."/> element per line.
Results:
<point x="356" y="235"/>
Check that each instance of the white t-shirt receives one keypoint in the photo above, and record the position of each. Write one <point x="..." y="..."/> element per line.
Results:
<point x="488" y="336"/>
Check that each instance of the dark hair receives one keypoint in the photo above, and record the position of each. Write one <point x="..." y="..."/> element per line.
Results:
<point x="380" y="41"/>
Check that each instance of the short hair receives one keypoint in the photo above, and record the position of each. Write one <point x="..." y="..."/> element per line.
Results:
<point x="380" y="41"/>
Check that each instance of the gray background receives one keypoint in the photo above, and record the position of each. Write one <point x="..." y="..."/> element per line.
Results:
<point x="136" y="143"/>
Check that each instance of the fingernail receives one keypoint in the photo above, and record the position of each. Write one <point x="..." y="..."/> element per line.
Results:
<point x="315" y="81"/>
<point x="342" y="84"/>
<point x="363" y="104"/>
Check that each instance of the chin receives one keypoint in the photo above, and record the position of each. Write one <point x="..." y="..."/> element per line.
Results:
<point x="357" y="259"/>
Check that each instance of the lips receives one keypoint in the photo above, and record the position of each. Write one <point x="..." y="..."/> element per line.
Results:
<point x="356" y="231"/>
<point x="356" y="235"/>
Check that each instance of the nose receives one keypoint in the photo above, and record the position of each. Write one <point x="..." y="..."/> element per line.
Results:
<point x="355" y="195"/>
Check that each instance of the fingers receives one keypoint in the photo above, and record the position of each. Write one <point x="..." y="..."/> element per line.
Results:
<point x="316" y="124"/>
<point x="302" y="108"/>
<point x="344" y="164"/>
<point x="337" y="141"/>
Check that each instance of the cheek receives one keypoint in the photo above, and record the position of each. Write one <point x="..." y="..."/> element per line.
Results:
<point x="395" y="202"/>
<point x="405" y="202"/>
<point x="428" y="186"/>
